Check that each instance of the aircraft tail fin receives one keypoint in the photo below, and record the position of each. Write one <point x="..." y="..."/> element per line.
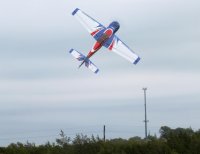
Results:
<point x="83" y="59"/>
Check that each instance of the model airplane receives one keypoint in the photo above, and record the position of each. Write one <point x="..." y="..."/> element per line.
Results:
<point x="104" y="36"/>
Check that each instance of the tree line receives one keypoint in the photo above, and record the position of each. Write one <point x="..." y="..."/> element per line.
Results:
<point x="170" y="141"/>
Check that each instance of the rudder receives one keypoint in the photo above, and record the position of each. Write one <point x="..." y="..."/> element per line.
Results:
<point x="88" y="63"/>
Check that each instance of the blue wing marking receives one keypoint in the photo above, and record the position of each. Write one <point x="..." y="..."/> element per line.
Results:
<point x="74" y="12"/>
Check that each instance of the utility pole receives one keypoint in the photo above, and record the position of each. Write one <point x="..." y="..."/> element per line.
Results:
<point x="104" y="133"/>
<point x="145" y="108"/>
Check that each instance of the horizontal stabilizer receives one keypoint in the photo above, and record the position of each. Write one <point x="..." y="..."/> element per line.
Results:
<point x="80" y="57"/>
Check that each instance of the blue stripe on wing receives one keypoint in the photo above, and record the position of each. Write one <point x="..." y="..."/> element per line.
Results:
<point x="81" y="58"/>
<point x="74" y="12"/>
<point x="136" y="61"/>
<point x="87" y="62"/>
<point x="99" y="34"/>
<point x="109" y="41"/>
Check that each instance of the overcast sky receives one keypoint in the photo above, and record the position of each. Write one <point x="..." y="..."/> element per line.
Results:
<point x="42" y="91"/>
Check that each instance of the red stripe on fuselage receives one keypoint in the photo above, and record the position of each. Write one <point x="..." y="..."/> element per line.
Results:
<point x="95" y="32"/>
<point x="95" y="48"/>
<point x="112" y="44"/>
<point x="107" y="34"/>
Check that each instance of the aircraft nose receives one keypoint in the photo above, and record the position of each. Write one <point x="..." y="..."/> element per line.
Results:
<point x="117" y="24"/>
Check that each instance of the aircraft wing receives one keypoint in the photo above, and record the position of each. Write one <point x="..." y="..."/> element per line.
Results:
<point x="91" y="25"/>
<point x="116" y="45"/>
